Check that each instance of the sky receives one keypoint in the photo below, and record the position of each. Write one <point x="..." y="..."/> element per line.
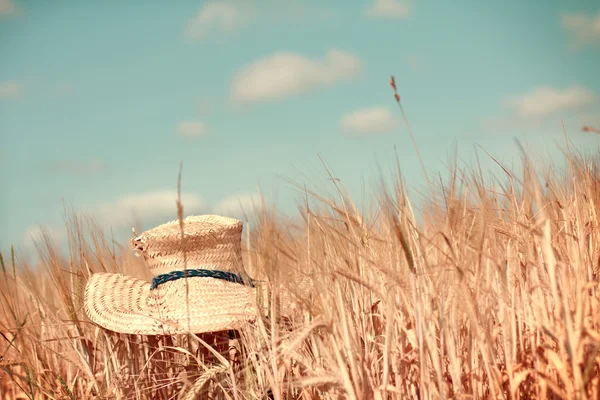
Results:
<point x="101" y="101"/>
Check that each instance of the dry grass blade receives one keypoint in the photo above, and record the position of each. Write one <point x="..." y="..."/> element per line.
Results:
<point x="488" y="294"/>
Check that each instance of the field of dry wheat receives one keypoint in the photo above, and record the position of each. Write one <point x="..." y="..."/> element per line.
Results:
<point x="491" y="294"/>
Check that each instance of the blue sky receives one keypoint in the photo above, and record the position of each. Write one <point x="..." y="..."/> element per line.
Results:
<point x="101" y="101"/>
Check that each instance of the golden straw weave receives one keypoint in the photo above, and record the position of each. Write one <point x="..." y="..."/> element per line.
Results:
<point x="211" y="242"/>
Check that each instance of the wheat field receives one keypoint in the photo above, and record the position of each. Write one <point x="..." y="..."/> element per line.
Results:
<point x="492" y="293"/>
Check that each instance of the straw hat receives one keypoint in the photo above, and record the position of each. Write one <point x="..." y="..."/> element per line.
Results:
<point x="198" y="284"/>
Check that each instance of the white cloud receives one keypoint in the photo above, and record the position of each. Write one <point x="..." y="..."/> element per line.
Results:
<point x="7" y="7"/>
<point x="144" y="211"/>
<point x="546" y="101"/>
<point x="9" y="89"/>
<point x="584" y="28"/>
<point x="388" y="9"/>
<point x="192" y="129"/>
<point x="368" y="121"/>
<point x="154" y="205"/>
<point x="286" y="74"/>
<point x="217" y="17"/>
<point x="542" y="110"/>
<point x="236" y="205"/>
<point x="36" y="235"/>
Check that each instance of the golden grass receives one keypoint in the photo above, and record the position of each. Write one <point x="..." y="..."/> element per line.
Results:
<point x="493" y="295"/>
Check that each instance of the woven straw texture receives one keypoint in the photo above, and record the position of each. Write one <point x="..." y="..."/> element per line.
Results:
<point x="125" y="304"/>
<point x="212" y="241"/>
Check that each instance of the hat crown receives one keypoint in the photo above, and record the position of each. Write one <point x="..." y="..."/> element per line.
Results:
<point x="209" y="242"/>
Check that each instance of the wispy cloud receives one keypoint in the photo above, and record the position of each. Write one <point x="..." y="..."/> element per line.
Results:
<point x="38" y="234"/>
<point x="76" y="167"/>
<point x="218" y="17"/>
<point x="157" y="205"/>
<point x="585" y="29"/>
<point x="286" y="74"/>
<point x="9" y="89"/>
<point x="546" y="100"/>
<point x="139" y="210"/>
<point x="147" y="209"/>
<point x="144" y="211"/>
<point x="237" y="205"/>
<point x="7" y="7"/>
<point x="541" y="109"/>
<point x="395" y="9"/>
<point x="375" y="120"/>
<point x="191" y="129"/>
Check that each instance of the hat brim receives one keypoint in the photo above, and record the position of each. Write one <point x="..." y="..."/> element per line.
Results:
<point x="127" y="305"/>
